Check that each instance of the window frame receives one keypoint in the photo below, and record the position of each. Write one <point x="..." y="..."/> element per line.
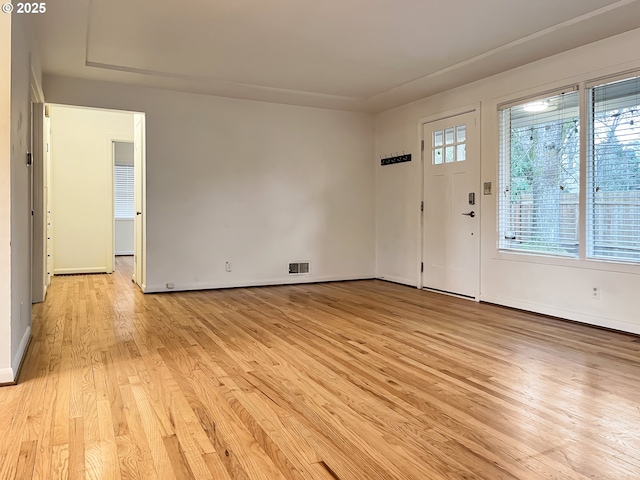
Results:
<point x="504" y="171"/>
<point x="589" y="156"/>
<point x="583" y="85"/>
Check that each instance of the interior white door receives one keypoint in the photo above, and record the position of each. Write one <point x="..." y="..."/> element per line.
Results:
<point x="451" y="205"/>
<point x="47" y="153"/>
<point x="138" y="198"/>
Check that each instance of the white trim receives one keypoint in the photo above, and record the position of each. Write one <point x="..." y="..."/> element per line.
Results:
<point x="597" y="82"/>
<point x="122" y="254"/>
<point x="36" y="88"/>
<point x="79" y="271"/>
<point x="587" y="78"/>
<point x="262" y="283"/>
<point x="140" y="192"/>
<point x="539" y="96"/>
<point x="583" y="147"/>
<point x="573" y="262"/>
<point x="593" y="320"/>
<point x="39" y="205"/>
<point x="17" y="359"/>
<point x="474" y="107"/>
<point x="6" y="375"/>
<point x="99" y="109"/>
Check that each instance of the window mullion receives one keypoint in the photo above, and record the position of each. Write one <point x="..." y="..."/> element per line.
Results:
<point x="585" y="130"/>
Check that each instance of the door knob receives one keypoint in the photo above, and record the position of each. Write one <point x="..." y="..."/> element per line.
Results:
<point x="138" y="213"/>
<point x="470" y="214"/>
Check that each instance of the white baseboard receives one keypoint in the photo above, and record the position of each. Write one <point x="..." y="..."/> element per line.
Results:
<point x="299" y="279"/>
<point x="586" y="318"/>
<point x="6" y="375"/>
<point x="80" y="271"/>
<point x="17" y="359"/>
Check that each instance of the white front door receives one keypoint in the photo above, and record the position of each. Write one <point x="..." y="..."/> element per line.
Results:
<point x="451" y="205"/>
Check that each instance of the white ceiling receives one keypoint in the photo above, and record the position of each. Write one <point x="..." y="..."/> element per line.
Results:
<point x="366" y="55"/>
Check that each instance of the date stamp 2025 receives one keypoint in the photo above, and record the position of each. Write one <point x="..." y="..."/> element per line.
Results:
<point x="35" y="7"/>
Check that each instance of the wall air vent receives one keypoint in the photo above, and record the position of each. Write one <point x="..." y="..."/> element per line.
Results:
<point x="299" y="268"/>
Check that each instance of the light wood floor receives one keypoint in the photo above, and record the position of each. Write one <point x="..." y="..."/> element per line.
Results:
<point x="349" y="381"/>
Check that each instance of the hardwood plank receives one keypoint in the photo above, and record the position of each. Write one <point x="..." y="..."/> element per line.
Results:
<point x="60" y="463"/>
<point x="339" y="381"/>
<point x="26" y="459"/>
<point x="130" y="469"/>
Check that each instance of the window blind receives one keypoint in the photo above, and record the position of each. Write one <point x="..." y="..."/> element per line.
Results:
<point x="123" y="192"/>
<point x="613" y="171"/>
<point x="540" y="176"/>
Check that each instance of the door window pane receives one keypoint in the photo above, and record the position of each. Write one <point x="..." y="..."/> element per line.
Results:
<point x="448" y="134"/>
<point x="437" y="138"/>
<point x="437" y="156"/>
<point x="449" y="154"/>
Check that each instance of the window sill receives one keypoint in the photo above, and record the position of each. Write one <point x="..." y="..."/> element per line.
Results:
<point x="564" y="261"/>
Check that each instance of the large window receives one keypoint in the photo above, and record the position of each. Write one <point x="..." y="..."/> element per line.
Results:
<point x="540" y="174"/>
<point x="613" y="161"/>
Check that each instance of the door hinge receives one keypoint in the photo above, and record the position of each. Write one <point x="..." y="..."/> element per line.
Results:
<point x="422" y="206"/>
<point x="422" y="267"/>
<point x="422" y="145"/>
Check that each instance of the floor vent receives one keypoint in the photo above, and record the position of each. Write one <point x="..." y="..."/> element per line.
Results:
<point x="299" y="268"/>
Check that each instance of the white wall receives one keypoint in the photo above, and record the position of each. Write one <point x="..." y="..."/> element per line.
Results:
<point x="252" y="183"/>
<point x="540" y="284"/>
<point x="24" y="65"/>
<point x="20" y="195"/>
<point x="124" y="236"/>
<point x="6" y="374"/>
<point x="82" y="186"/>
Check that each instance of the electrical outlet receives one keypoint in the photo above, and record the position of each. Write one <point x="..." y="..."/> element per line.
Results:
<point x="171" y="286"/>
<point x="227" y="266"/>
<point x="595" y="293"/>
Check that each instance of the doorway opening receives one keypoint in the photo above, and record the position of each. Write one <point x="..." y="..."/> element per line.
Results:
<point x="96" y="189"/>
<point x="123" y="198"/>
